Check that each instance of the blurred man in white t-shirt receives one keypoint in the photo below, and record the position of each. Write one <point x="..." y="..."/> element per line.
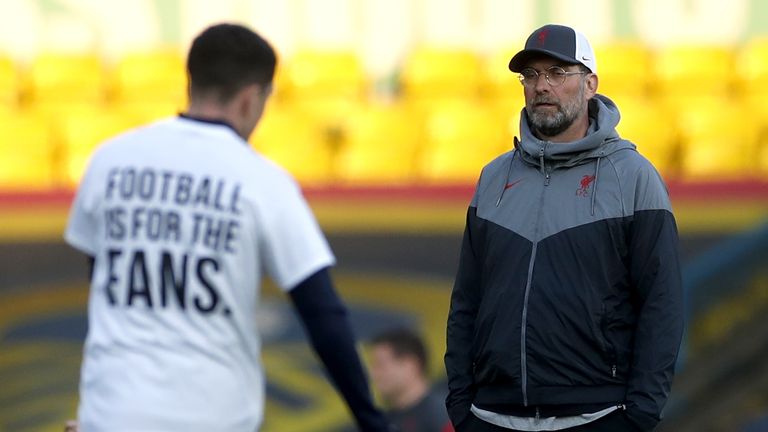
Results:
<point x="181" y="220"/>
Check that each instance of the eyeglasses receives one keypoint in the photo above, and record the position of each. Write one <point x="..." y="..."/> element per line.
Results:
<point x="554" y="75"/>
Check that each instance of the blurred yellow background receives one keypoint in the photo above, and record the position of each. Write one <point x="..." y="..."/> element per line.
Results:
<point x="385" y="111"/>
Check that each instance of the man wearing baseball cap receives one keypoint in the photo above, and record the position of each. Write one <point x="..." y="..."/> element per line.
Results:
<point x="566" y="313"/>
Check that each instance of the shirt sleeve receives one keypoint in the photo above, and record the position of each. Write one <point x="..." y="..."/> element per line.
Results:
<point x="294" y="246"/>
<point x="82" y="225"/>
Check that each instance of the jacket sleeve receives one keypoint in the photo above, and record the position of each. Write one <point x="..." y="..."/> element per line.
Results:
<point x="655" y="274"/>
<point x="465" y="300"/>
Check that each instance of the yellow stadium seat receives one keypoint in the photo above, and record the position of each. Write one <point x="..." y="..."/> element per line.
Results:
<point x="719" y="141"/>
<point x="501" y="87"/>
<point x="752" y="68"/>
<point x="683" y="71"/>
<point x="510" y="109"/>
<point x="330" y="114"/>
<point x="280" y="90"/>
<point x="28" y="152"/>
<point x="763" y="155"/>
<point x="436" y="74"/>
<point x="327" y="85"/>
<point x="295" y="141"/>
<point x="649" y="127"/>
<point x="9" y="82"/>
<point x="755" y="104"/>
<point x="81" y="131"/>
<point x="56" y="78"/>
<point x="312" y="74"/>
<point x="624" y="68"/>
<point x="461" y="138"/>
<point x="510" y="122"/>
<point x="157" y="76"/>
<point x="380" y="146"/>
<point x="498" y="81"/>
<point x="148" y="111"/>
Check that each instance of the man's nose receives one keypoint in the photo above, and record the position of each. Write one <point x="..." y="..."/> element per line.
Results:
<point x="541" y="83"/>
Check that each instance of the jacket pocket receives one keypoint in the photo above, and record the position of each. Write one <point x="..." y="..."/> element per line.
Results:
<point x="609" y="347"/>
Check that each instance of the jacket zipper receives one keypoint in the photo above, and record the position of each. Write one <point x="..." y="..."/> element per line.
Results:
<point x="543" y="165"/>
<point x="523" y="350"/>
<point x="523" y="362"/>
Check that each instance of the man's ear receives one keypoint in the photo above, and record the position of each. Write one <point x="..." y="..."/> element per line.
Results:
<point x="591" y="86"/>
<point x="246" y="98"/>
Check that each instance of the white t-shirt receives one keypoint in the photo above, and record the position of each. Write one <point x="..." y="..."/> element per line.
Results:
<point x="184" y="220"/>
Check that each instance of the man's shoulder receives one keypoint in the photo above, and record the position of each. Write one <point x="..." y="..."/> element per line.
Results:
<point x="184" y="140"/>
<point x="630" y="157"/>
<point x="497" y="166"/>
<point x="132" y="139"/>
<point x="640" y="179"/>
<point x="500" y="160"/>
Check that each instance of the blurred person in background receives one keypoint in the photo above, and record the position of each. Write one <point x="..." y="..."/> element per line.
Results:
<point x="181" y="219"/>
<point x="399" y="370"/>
<point x="567" y="311"/>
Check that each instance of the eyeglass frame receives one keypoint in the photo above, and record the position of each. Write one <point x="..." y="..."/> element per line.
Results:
<point x="547" y="76"/>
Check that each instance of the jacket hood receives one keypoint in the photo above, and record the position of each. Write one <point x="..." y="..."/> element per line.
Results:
<point x="600" y="141"/>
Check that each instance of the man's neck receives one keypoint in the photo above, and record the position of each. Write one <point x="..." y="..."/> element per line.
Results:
<point x="208" y="111"/>
<point x="214" y="112"/>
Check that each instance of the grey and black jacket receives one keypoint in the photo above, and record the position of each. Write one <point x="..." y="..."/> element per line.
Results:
<point x="568" y="295"/>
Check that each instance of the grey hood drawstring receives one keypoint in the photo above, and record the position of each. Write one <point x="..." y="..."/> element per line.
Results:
<point x="509" y="171"/>
<point x="594" y="189"/>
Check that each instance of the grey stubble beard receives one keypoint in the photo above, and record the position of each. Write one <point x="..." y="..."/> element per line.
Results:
<point x="553" y="124"/>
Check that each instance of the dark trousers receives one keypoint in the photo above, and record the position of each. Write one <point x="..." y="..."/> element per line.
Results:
<point x="613" y="422"/>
